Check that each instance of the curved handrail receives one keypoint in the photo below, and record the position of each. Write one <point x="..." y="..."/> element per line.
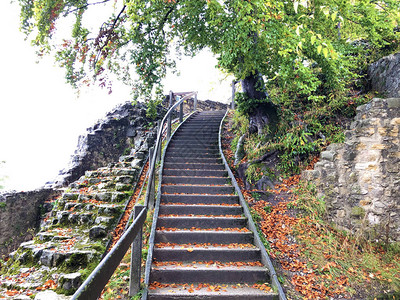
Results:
<point x="264" y="255"/>
<point x="92" y="287"/>
<point x="153" y="161"/>
<point x="155" y="217"/>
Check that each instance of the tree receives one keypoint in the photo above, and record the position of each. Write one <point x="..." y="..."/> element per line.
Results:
<point x="301" y="46"/>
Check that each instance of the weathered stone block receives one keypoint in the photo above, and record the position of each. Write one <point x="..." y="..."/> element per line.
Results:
<point x="97" y="232"/>
<point x="103" y="220"/>
<point x="70" y="281"/>
<point x="47" y="258"/>
<point x="85" y="218"/>
<point x="70" y="196"/>
<point x="105" y="196"/>
<point x="393" y="102"/>
<point x="328" y="155"/>
<point x="357" y="212"/>
<point x="119" y="197"/>
<point x="123" y="187"/>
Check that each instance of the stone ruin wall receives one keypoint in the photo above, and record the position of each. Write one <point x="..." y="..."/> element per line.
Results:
<point x="360" y="179"/>
<point x="20" y="215"/>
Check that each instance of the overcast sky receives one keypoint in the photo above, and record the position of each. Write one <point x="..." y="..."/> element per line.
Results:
<point x="41" y="117"/>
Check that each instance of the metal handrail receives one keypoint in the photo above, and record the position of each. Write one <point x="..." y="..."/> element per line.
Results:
<point x="92" y="287"/>
<point x="167" y="118"/>
<point x="265" y="259"/>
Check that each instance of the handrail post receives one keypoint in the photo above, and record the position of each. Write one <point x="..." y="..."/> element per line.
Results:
<point x="151" y="180"/>
<point x="136" y="258"/>
<point x="159" y="145"/>
<point x="233" y="94"/>
<point x="169" y="127"/>
<point x="195" y="102"/>
<point x="181" y="113"/>
<point x="171" y="96"/>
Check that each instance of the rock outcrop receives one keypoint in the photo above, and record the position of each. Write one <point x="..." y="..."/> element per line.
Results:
<point x="384" y="75"/>
<point x="360" y="179"/>
<point x="121" y="130"/>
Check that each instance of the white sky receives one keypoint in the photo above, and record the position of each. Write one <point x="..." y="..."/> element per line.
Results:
<point x="41" y="117"/>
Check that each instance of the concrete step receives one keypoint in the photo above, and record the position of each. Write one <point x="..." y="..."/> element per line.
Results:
<point x="194" y="173"/>
<point x="208" y="121"/>
<point x="194" y="199"/>
<point x="204" y="145"/>
<point x="215" y="253"/>
<point x="203" y="236"/>
<point x="196" y="136"/>
<point x="224" y="292"/>
<point x="201" y="222"/>
<point x="202" y="127"/>
<point x="194" y="166"/>
<point x="177" y="141"/>
<point x="200" y="273"/>
<point x="194" y="180"/>
<point x="200" y="209"/>
<point x="172" y="154"/>
<point x="198" y="130"/>
<point x="197" y="189"/>
<point x="182" y="153"/>
<point x="184" y="160"/>
<point x="193" y="148"/>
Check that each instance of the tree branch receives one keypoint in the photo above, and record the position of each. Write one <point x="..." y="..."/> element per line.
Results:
<point x="109" y="32"/>
<point x="85" y="6"/>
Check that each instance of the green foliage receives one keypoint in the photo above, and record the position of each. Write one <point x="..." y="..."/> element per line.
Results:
<point x="308" y="201"/>
<point x="253" y="172"/>
<point x="294" y="146"/>
<point x="240" y="123"/>
<point x="300" y="46"/>
<point x="151" y="111"/>
<point x="247" y="105"/>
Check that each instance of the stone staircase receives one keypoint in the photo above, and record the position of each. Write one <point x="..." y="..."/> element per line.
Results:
<point x="74" y="233"/>
<point x="203" y="248"/>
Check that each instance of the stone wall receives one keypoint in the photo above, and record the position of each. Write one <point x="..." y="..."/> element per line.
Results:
<point x="360" y="179"/>
<point x="384" y="75"/>
<point x="20" y="215"/>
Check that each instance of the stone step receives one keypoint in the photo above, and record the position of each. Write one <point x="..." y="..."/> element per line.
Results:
<point x="194" y="199"/>
<point x="203" y="236"/>
<point x="192" y="160"/>
<point x="200" y="273"/>
<point x="225" y="292"/>
<point x="194" y="180"/>
<point x="182" y="152"/>
<point x="194" y="173"/>
<point x="188" y="147"/>
<point x="194" y="166"/>
<point x="171" y="154"/>
<point x="198" y="189"/>
<point x="215" y="253"/>
<point x="197" y="136"/>
<point x="200" y="209"/>
<point x="201" y="222"/>
<point x="196" y="131"/>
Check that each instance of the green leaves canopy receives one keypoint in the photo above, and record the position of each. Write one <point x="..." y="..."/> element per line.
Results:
<point x="300" y="45"/>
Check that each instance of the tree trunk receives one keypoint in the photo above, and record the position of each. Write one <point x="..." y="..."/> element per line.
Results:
<point x="264" y="113"/>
